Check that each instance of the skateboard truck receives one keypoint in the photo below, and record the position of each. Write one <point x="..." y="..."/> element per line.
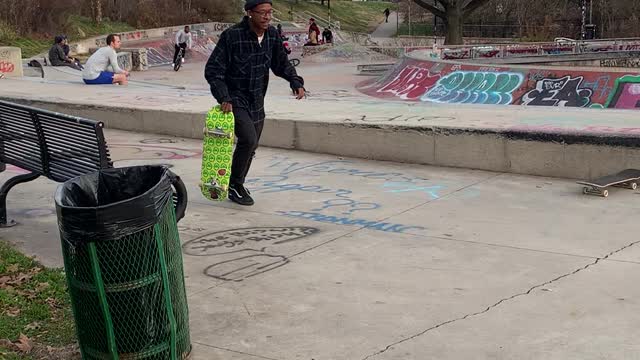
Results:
<point x="214" y="189"/>
<point x="217" y="132"/>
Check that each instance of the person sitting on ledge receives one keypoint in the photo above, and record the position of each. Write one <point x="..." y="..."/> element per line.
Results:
<point x="102" y="67"/>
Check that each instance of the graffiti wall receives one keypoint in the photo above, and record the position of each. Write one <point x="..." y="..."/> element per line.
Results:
<point x="10" y="61"/>
<point x="431" y="81"/>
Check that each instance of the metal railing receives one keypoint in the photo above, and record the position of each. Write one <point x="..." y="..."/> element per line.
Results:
<point x="561" y="46"/>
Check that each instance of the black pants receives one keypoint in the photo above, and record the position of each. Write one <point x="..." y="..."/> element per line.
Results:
<point x="175" y="55"/>
<point x="248" y="133"/>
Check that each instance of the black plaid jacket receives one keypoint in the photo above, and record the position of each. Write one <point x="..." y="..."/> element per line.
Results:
<point x="238" y="68"/>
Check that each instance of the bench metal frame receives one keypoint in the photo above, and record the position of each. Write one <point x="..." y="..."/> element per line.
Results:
<point x="31" y="138"/>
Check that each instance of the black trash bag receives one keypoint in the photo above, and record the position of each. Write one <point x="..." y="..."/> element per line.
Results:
<point x="111" y="203"/>
<point x="123" y="262"/>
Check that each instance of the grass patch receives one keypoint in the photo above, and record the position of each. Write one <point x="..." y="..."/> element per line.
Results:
<point x="83" y="27"/>
<point x="357" y="16"/>
<point x="36" y="321"/>
<point x="77" y="28"/>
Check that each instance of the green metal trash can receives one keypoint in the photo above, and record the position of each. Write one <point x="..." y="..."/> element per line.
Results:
<point x="123" y="262"/>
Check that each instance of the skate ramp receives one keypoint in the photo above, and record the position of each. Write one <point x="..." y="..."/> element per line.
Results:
<point x="160" y="51"/>
<point x="418" y="78"/>
<point x="344" y="53"/>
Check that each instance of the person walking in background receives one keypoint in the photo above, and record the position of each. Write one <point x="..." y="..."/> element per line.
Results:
<point x="386" y="12"/>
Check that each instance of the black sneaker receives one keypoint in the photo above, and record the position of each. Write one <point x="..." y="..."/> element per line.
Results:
<point x="239" y="194"/>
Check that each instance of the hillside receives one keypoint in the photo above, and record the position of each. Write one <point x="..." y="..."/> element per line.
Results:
<point x="76" y="28"/>
<point x="356" y="16"/>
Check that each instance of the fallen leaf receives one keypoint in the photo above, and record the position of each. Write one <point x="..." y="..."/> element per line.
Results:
<point x="42" y="286"/>
<point x="4" y="280"/>
<point x="24" y="344"/>
<point x="52" y="302"/>
<point x="20" y="279"/>
<point x="33" y="326"/>
<point x="13" y="312"/>
<point x="7" y="344"/>
<point x="13" y="268"/>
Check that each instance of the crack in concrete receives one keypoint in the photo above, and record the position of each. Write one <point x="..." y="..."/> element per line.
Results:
<point x="489" y="308"/>
<point x="234" y="351"/>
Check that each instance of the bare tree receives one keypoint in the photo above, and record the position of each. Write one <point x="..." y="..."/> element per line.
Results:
<point x="453" y="13"/>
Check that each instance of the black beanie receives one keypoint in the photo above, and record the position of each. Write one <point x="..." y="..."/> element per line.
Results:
<point x="253" y="3"/>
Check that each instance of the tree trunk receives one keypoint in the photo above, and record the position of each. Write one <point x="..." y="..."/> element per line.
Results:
<point x="96" y="10"/>
<point x="454" y="21"/>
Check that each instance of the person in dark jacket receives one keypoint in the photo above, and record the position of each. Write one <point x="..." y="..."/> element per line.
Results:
<point x="238" y="74"/>
<point x="327" y="36"/>
<point x="57" y="56"/>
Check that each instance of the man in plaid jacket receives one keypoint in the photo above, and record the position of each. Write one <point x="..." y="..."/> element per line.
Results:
<point x="238" y="74"/>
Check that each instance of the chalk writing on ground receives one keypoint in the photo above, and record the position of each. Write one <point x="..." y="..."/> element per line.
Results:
<point x="368" y="224"/>
<point x="244" y="253"/>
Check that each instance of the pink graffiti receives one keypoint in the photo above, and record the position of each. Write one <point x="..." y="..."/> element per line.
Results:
<point x="631" y="47"/>
<point x="523" y="50"/>
<point x="411" y="83"/>
<point x="15" y="169"/>
<point x="456" y="54"/>
<point x="6" y="67"/>
<point x="489" y="53"/>
<point x="629" y="96"/>
<point x="593" y="129"/>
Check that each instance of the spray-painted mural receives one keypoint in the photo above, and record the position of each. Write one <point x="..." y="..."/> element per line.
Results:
<point x="431" y="81"/>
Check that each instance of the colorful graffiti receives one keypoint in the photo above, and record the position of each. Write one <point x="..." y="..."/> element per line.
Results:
<point x="474" y="87"/>
<point x="566" y="91"/>
<point x="411" y="83"/>
<point x="625" y="94"/>
<point x="416" y="79"/>
<point x="622" y="62"/>
<point x="6" y="67"/>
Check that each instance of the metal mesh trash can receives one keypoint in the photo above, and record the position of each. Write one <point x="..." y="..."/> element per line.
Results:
<point x="123" y="262"/>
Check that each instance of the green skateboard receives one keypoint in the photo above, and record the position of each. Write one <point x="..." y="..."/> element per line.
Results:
<point x="217" y="149"/>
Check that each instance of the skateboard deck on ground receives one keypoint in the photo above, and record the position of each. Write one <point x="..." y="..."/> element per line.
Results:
<point x="625" y="179"/>
<point x="217" y="149"/>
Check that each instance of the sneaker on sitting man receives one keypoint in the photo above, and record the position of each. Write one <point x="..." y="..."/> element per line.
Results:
<point x="240" y="195"/>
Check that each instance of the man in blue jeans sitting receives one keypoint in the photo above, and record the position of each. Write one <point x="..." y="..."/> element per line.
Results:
<point x="102" y="67"/>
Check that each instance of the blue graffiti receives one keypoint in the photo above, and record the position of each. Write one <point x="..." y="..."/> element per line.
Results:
<point x="349" y="204"/>
<point x="600" y="85"/>
<point x="475" y="87"/>
<point x="288" y="167"/>
<point x="402" y="187"/>
<point x="367" y="224"/>
<point x="273" y="184"/>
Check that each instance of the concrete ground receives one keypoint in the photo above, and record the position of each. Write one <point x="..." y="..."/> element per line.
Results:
<point x="355" y="259"/>
<point x="388" y="29"/>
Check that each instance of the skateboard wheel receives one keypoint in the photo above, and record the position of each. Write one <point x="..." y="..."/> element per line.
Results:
<point x="634" y="186"/>
<point x="585" y="190"/>
<point x="605" y="193"/>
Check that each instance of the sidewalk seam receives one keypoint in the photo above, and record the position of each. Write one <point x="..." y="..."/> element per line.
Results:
<point x="528" y="292"/>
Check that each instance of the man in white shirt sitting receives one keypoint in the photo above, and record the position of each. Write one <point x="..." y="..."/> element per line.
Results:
<point x="183" y="39"/>
<point x="102" y="67"/>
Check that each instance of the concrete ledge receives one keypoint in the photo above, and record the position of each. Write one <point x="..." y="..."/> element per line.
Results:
<point x="576" y="155"/>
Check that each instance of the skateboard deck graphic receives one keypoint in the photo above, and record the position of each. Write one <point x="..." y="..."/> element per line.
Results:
<point x="627" y="179"/>
<point x="217" y="149"/>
